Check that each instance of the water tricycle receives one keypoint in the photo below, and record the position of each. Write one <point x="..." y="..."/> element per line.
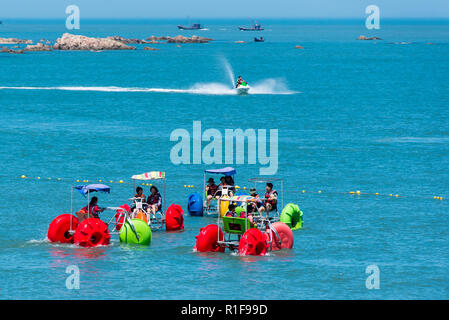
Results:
<point x="92" y="231"/>
<point x="247" y="228"/>
<point x="244" y="231"/>
<point x="172" y="218"/>
<point x="195" y="204"/>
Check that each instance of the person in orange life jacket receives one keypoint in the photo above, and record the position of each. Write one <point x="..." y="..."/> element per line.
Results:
<point x="139" y="195"/>
<point x="90" y="211"/>
<point x="154" y="200"/>
<point x="270" y="202"/>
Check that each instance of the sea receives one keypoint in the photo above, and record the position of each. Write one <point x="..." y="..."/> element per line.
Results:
<point x="362" y="148"/>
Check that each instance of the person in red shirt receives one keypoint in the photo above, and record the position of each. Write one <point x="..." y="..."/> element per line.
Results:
<point x="90" y="211"/>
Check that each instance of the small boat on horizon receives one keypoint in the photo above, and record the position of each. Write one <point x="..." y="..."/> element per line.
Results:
<point x="255" y="27"/>
<point x="261" y="39"/>
<point x="195" y="26"/>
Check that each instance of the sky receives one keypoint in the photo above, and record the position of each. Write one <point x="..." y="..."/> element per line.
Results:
<point x="40" y="9"/>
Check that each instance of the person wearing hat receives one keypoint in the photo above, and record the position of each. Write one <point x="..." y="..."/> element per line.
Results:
<point x="257" y="202"/>
<point x="211" y="191"/>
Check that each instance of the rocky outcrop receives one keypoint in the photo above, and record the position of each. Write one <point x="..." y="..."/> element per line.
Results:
<point x="77" y="42"/>
<point x="14" y="41"/>
<point x="368" y="38"/>
<point x="38" y="47"/>
<point x="127" y="41"/>
<point x="299" y="47"/>
<point x="8" y="50"/>
<point x="150" y="48"/>
<point x="180" y="39"/>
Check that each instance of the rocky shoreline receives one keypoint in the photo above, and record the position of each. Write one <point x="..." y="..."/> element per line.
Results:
<point x="79" y="42"/>
<point x="15" y="41"/>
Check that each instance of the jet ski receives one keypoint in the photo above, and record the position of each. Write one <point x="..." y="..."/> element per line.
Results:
<point x="242" y="89"/>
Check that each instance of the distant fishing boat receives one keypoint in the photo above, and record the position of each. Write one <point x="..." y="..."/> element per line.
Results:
<point x="195" y="26"/>
<point x="261" y="39"/>
<point x="255" y="27"/>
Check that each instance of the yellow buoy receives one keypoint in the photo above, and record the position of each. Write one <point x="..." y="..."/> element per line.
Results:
<point x="121" y="181"/>
<point x="358" y="191"/>
<point x="23" y="176"/>
<point x="351" y="192"/>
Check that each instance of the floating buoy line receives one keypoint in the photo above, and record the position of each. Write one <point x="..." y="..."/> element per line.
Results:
<point x="302" y="191"/>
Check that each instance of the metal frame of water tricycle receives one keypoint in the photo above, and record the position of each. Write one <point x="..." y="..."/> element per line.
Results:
<point x="262" y="223"/>
<point x="228" y="171"/>
<point x="148" y="176"/>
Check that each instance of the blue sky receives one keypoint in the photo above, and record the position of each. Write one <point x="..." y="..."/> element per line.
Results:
<point x="223" y="8"/>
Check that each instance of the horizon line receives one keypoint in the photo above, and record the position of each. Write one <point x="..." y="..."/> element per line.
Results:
<point x="225" y="18"/>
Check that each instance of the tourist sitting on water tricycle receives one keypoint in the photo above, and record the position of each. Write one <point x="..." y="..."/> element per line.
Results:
<point x="244" y="230"/>
<point x="150" y="210"/>
<point x="88" y="230"/>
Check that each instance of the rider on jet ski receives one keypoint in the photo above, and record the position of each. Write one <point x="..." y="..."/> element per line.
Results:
<point x="240" y="82"/>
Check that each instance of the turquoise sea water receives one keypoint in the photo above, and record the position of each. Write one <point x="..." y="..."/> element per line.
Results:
<point x="351" y="115"/>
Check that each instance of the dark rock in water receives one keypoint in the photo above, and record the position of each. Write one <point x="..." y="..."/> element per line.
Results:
<point x="9" y="50"/>
<point x="150" y="48"/>
<point x="368" y="38"/>
<point x="127" y="41"/>
<point x="77" y="42"/>
<point x="180" y="39"/>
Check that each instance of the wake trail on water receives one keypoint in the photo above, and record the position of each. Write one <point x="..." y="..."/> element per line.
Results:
<point x="267" y="86"/>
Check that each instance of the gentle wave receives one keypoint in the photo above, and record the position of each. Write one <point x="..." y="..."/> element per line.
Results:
<point x="269" y="86"/>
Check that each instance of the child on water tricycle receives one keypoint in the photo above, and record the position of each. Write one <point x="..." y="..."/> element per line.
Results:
<point x="232" y="212"/>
